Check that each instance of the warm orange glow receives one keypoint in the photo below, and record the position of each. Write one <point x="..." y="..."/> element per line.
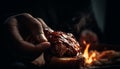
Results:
<point x="88" y="58"/>
<point x="84" y="42"/>
<point x="85" y="54"/>
<point x="91" y="58"/>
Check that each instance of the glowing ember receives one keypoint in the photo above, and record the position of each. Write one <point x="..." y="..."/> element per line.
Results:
<point x="88" y="58"/>
<point x="84" y="42"/>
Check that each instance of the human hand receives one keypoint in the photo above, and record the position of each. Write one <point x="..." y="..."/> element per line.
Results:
<point x="27" y="34"/>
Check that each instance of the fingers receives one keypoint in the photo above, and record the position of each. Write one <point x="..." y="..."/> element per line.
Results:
<point x="41" y="38"/>
<point x="16" y="27"/>
<point x="35" y="26"/>
<point x="44" y="25"/>
<point x="11" y="24"/>
<point x="43" y="46"/>
<point x="37" y="29"/>
<point x="39" y="34"/>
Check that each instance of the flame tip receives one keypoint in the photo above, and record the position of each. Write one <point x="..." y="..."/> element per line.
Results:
<point x="88" y="58"/>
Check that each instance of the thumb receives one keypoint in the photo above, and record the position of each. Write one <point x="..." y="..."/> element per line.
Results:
<point x="43" y="46"/>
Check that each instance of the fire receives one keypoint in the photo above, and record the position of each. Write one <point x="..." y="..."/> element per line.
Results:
<point x="89" y="58"/>
<point x="85" y="54"/>
<point x="94" y="57"/>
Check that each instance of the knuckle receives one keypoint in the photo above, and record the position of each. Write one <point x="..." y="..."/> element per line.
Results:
<point x="26" y="14"/>
<point x="40" y="19"/>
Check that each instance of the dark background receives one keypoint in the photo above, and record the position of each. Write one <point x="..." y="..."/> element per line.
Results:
<point x="62" y="9"/>
<point x="54" y="12"/>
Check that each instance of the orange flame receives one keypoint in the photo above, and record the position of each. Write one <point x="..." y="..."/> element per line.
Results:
<point x="85" y="54"/>
<point x="88" y="58"/>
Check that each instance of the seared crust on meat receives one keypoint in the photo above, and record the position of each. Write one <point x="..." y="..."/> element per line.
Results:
<point x="62" y="44"/>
